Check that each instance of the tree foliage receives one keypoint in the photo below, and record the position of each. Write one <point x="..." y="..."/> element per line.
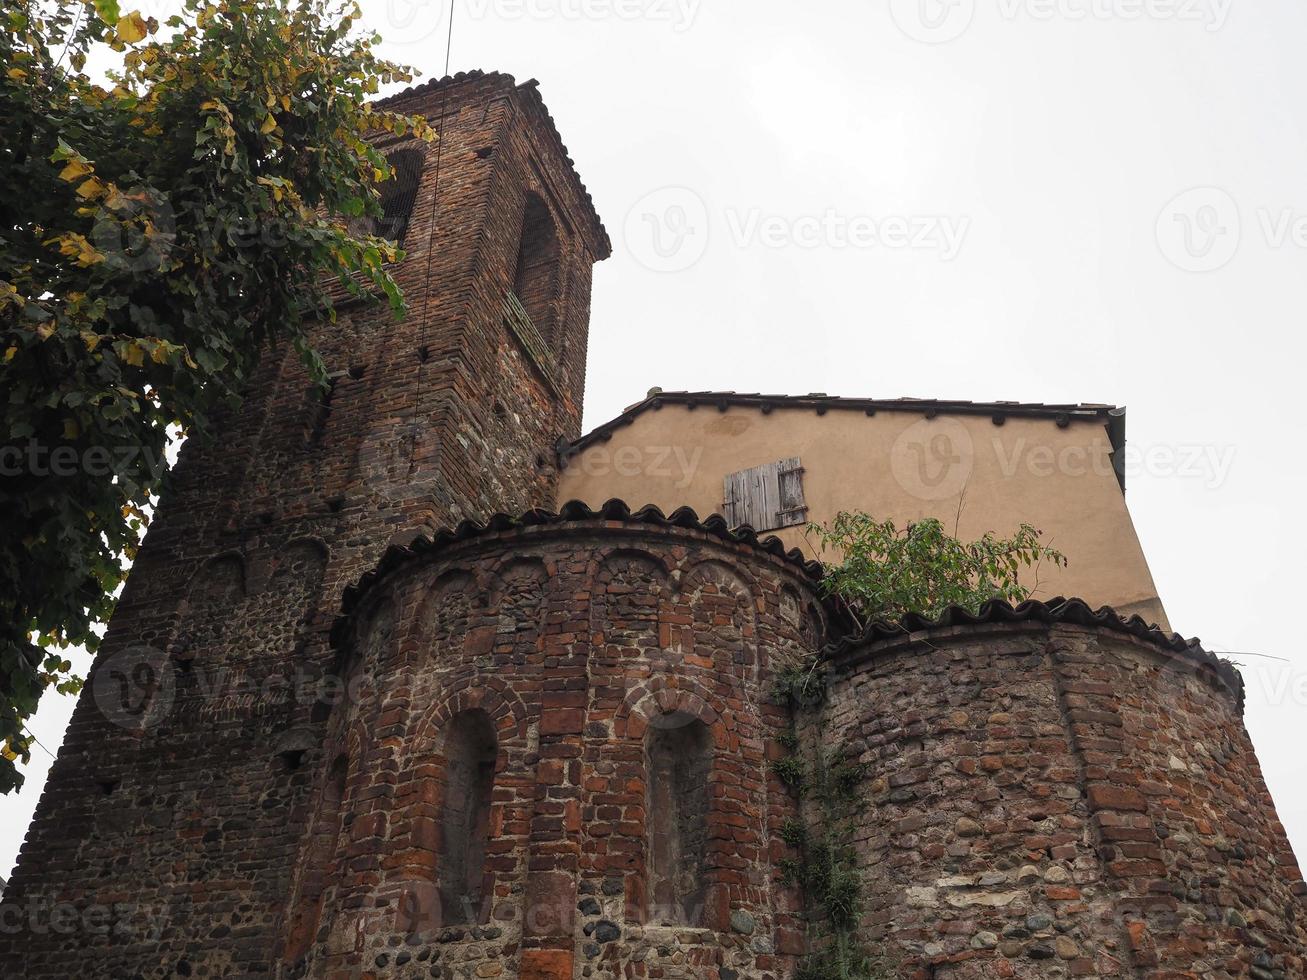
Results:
<point x="885" y="572"/>
<point x="159" y="230"/>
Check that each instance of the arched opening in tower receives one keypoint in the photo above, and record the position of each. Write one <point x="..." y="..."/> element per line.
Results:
<point x="679" y="758"/>
<point x="399" y="194"/>
<point x="536" y="281"/>
<point x="471" y="748"/>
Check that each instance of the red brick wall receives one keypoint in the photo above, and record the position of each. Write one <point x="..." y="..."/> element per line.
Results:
<point x="182" y="828"/>
<point x="1063" y="802"/>
<point x="576" y="639"/>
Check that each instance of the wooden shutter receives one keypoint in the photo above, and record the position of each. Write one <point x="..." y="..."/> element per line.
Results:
<point x="793" y="507"/>
<point x="766" y="497"/>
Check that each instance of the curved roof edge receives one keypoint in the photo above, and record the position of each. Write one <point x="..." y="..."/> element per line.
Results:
<point x="1053" y="612"/>
<point x="574" y="512"/>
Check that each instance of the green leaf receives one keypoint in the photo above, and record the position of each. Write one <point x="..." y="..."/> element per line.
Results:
<point x="108" y="11"/>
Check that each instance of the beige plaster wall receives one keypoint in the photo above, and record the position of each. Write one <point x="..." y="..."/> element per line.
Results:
<point x="899" y="465"/>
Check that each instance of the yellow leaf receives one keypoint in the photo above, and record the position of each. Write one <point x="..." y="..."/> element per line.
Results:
<point x="93" y="188"/>
<point x="76" y="246"/>
<point x="9" y="754"/>
<point x="45" y="331"/>
<point x="132" y="28"/>
<point x="268" y="126"/>
<point x="91" y="340"/>
<point x="134" y="355"/>
<point x="9" y="354"/>
<point x="71" y="429"/>
<point x="75" y="170"/>
<point x="160" y="353"/>
<point x="17" y="74"/>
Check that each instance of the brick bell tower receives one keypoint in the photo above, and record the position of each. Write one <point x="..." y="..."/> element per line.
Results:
<point x="166" y="840"/>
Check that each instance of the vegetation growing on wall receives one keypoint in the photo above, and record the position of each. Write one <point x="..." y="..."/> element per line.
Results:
<point x="827" y="780"/>
<point x="885" y="572"/>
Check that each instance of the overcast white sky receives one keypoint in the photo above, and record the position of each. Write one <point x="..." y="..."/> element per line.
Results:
<point x="1103" y="201"/>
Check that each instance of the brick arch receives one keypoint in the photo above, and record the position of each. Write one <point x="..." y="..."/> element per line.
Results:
<point x="710" y="591"/>
<point x="375" y="636"/>
<point x="801" y="619"/>
<point x="448" y="609"/>
<point x="629" y="591"/>
<point x="604" y="557"/>
<point x="662" y="695"/>
<point x="320" y="868"/>
<point x="720" y="572"/>
<point x="684" y="702"/>
<point x="470" y="691"/>
<point x="418" y="818"/>
<point x="208" y="610"/>
<point x="518" y="592"/>
<point x="231" y="565"/>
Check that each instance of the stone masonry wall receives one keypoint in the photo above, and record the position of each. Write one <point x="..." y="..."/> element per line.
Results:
<point x="1063" y="802"/>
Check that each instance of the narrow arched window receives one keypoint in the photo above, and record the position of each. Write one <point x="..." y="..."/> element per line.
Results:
<point x="536" y="282"/>
<point x="399" y="195"/>
<point x="471" y="749"/>
<point x="679" y="760"/>
<point x="321" y="860"/>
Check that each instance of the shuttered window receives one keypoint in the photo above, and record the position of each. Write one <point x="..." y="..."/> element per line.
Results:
<point x="766" y="497"/>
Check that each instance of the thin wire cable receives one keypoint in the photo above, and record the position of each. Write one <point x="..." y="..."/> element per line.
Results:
<point x="72" y="34"/>
<point x="425" y="352"/>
